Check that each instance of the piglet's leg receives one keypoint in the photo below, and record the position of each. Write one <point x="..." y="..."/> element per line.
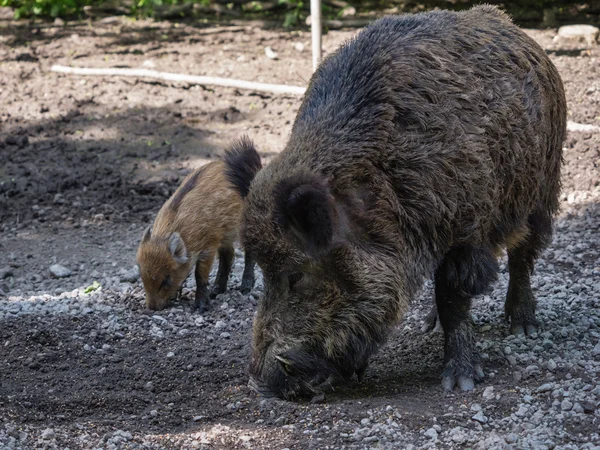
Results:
<point x="203" y="267"/>
<point x="226" y="255"/>
<point x="248" y="276"/>
<point x="463" y="273"/>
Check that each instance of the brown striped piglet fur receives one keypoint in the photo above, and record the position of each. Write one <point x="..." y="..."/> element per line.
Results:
<point x="199" y="220"/>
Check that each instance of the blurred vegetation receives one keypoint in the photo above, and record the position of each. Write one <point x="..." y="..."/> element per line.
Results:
<point x="292" y="12"/>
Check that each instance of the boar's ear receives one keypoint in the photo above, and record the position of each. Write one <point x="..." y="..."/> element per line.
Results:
<point x="178" y="249"/>
<point x="304" y="206"/>
<point x="241" y="164"/>
<point x="147" y="234"/>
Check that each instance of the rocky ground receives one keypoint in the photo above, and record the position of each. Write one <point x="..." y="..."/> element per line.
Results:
<point x="87" y="162"/>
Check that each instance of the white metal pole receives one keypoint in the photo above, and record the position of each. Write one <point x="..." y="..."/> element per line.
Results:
<point x="315" y="28"/>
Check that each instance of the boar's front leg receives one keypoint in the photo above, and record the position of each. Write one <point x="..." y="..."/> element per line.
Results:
<point x="248" y="276"/>
<point x="203" y="267"/>
<point x="464" y="272"/>
<point x="226" y="255"/>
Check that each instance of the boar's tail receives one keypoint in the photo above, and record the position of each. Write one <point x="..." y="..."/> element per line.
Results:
<point x="241" y="164"/>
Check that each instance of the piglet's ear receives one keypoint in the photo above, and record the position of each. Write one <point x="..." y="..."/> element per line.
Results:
<point x="178" y="249"/>
<point x="147" y="234"/>
<point x="304" y="207"/>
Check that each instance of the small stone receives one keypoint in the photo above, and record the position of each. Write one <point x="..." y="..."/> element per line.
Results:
<point x="198" y="418"/>
<point x="58" y="271"/>
<point x="431" y="434"/>
<point x="220" y="324"/>
<point x="458" y="435"/>
<point x="545" y="388"/>
<point x="511" y="360"/>
<point x="170" y="354"/>
<point x="48" y="434"/>
<point x="577" y="408"/>
<point x="479" y="417"/>
<point x="488" y="393"/>
<point x="154" y="413"/>
<point x="507" y="350"/>
<point x="566" y="405"/>
<point x="485" y="328"/>
<point x="522" y="411"/>
<point x="225" y="335"/>
<point x="299" y="46"/>
<point x="511" y="438"/>
<point x="149" y="386"/>
<point x="588" y="407"/>
<point x="475" y="407"/>
<point x="271" y="54"/>
<point x="59" y="22"/>
<point x="596" y="350"/>
<point x="102" y="371"/>
<point x="551" y="365"/>
<point x="532" y="370"/>
<point x="365" y="422"/>
<point x="129" y="276"/>
<point x="6" y="272"/>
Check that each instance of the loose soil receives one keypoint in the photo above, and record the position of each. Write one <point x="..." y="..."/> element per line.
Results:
<point x="85" y="165"/>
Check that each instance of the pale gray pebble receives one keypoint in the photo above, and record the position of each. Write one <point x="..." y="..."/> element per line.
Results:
<point x="480" y="417"/>
<point x="58" y="271"/>
<point x="431" y="434"/>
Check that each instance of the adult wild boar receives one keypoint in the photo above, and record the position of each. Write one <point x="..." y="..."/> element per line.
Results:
<point x="426" y="144"/>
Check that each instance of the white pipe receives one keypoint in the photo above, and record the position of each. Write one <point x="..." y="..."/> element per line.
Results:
<point x="315" y="29"/>
<point x="166" y="76"/>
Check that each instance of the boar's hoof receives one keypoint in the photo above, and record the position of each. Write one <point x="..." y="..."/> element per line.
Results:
<point x="360" y="372"/>
<point x="465" y="381"/>
<point x="201" y="300"/>
<point x="517" y="329"/>
<point x="520" y="310"/>
<point x="217" y="290"/>
<point x="431" y="323"/>
<point x="247" y="285"/>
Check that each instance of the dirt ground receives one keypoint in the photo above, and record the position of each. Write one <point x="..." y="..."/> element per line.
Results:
<point x="85" y="163"/>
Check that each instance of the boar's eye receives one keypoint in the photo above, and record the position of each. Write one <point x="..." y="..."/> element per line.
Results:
<point x="166" y="282"/>
<point x="286" y="365"/>
<point x="295" y="278"/>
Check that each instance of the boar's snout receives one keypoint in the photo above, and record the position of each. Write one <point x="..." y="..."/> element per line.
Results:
<point x="295" y="374"/>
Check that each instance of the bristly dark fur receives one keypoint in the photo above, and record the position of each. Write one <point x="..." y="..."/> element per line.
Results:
<point x="242" y="162"/>
<point x="185" y="189"/>
<point x="438" y="137"/>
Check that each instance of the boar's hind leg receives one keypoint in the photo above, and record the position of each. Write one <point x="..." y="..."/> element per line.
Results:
<point x="248" y="276"/>
<point x="226" y="255"/>
<point x="463" y="273"/>
<point x="520" y="301"/>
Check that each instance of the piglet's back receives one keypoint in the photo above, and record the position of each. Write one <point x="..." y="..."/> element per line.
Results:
<point x="204" y="209"/>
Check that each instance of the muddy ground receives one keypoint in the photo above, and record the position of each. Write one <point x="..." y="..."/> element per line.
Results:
<point x="85" y="163"/>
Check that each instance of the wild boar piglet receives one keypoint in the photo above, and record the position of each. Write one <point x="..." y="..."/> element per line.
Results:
<point x="201" y="219"/>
